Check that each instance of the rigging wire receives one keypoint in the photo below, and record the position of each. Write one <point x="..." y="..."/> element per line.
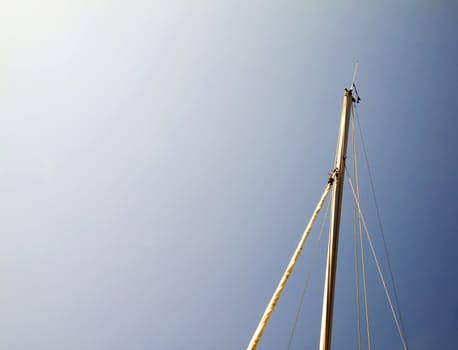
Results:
<point x="309" y="273"/>
<point x="379" y="220"/>
<point x="363" y="265"/>
<point x="401" y="334"/>
<point x="358" y="303"/>
<point x="355" y="242"/>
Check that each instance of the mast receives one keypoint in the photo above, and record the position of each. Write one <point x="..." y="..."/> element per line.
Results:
<point x="338" y="175"/>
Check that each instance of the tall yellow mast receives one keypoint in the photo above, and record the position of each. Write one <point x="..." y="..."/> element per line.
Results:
<point x="339" y="171"/>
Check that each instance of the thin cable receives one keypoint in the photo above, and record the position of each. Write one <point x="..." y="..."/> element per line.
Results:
<point x="401" y="334"/>
<point x="363" y="265"/>
<point x="309" y="273"/>
<point x="366" y="304"/>
<point x="397" y="304"/>
<point x="355" y="241"/>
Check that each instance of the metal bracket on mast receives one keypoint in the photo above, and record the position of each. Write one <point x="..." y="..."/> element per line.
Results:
<point x="358" y="99"/>
<point x="332" y="176"/>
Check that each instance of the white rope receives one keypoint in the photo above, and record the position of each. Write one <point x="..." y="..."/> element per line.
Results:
<point x="309" y="274"/>
<point x="401" y="335"/>
<point x="281" y="285"/>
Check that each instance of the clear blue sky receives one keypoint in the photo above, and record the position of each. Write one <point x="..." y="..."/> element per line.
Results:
<point x="160" y="160"/>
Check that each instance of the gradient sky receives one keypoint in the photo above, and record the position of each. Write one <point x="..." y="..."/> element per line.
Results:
<point x="159" y="161"/>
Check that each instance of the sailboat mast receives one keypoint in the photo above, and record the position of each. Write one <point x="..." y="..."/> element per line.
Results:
<point x="339" y="171"/>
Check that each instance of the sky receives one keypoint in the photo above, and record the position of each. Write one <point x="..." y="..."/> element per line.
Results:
<point x="159" y="161"/>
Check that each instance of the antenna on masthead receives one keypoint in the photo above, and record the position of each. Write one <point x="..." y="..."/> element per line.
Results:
<point x="354" y="75"/>
<point x="353" y="86"/>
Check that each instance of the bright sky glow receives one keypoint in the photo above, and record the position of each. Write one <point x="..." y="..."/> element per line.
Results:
<point x="160" y="159"/>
